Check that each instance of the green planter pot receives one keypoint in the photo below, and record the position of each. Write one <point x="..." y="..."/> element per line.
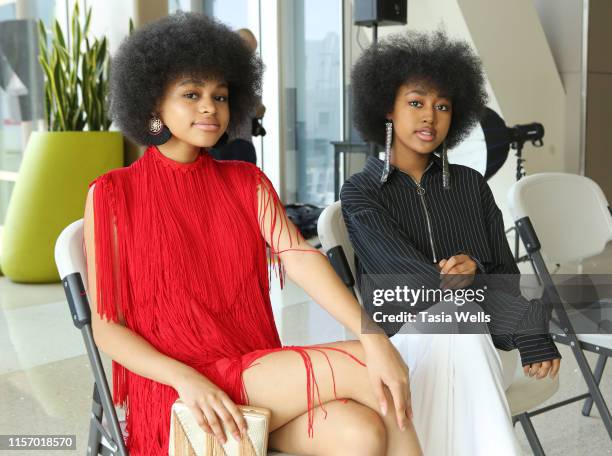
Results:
<point x="49" y="194"/>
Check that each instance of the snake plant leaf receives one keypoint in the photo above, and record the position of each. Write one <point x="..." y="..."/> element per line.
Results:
<point x="64" y="56"/>
<point x="42" y="31"/>
<point x="48" y="101"/>
<point x="48" y="96"/>
<point x="57" y="34"/>
<point x="76" y="11"/>
<point x="42" y="38"/>
<point x="101" y="57"/>
<point x="58" y="92"/>
<point x="76" y="79"/>
<point x="72" y="33"/>
<point x="51" y="80"/>
<point x="46" y="70"/>
<point x="76" y="41"/>
<point x="87" y="22"/>
<point x="85" y="70"/>
<point x="99" y="110"/>
<point x="73" y="119"/>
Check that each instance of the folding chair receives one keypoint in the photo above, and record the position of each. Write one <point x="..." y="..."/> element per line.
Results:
<point x="523" y="394"/>
<point x="71" y="264"/>
<point x="565" y="218"/>
<point x="105" y="430"/>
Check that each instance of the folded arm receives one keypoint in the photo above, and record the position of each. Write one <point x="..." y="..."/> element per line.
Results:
<point x="384" y="249"/>
<point x="534" y="346"/>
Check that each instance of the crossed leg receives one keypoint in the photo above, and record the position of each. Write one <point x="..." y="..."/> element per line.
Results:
<point x="277" y="381"/>
<point x="349" y="429"/>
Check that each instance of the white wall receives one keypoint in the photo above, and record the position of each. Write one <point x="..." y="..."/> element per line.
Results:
<point x="111" y="18"/>
<point x="562" y="22"/>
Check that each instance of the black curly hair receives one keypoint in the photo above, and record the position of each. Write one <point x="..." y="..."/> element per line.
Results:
<point x="181" y="44"/>
<point x="442" y="64"/>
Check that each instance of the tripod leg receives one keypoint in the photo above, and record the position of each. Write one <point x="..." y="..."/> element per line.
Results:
<point x="516" y="245"/>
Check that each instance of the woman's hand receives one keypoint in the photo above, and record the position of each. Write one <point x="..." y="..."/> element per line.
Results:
<point x="458" y="271"/>
<point x="387" y="368"/>
<point x="210" y="405"/>
<point x="540" y="370"/>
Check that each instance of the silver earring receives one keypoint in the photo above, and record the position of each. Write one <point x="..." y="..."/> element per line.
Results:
<point x="388" y="141"/>
<point x="445" y="168"/>
<point x="155" y="125"/>
<point x="158" y="133"/>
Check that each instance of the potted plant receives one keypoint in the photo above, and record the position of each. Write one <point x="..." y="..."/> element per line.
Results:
<point x="58" y="164"/>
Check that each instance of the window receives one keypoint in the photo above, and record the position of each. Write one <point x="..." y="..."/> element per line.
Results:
<point x="312" y="97"/>
<point x="176" y="5"/>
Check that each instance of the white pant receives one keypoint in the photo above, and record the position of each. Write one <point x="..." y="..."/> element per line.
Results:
<point x="458" y="384"/>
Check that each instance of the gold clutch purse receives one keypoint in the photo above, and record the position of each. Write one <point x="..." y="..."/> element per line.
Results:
<point x="187" y="438"/>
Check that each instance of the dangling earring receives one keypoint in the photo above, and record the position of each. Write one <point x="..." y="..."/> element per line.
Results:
<point x="445" y="168"/>
<point x="158" y="133"/>
<point x="388" y="141"/>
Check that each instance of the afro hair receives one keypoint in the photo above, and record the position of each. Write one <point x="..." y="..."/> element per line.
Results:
<point x="447" y="66"/>
<point x="181" y="44"/>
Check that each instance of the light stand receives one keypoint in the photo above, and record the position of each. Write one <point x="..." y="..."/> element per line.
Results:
<point x="519" y="134"/>
<point x="372" y="149"/>
<point x="376" y="13"/>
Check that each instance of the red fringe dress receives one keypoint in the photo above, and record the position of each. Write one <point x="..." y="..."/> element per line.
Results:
<point x="181" y="260"/>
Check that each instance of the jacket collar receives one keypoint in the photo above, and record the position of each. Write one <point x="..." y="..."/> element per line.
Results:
<point x="374" y="168"/>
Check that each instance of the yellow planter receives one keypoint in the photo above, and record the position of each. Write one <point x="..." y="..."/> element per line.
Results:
<point x="50" y="193"/>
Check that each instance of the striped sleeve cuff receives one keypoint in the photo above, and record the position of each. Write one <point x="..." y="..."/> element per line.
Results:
<point x="535" y="348"/>
<point x="480" y="268"/>
<point x="479" y="265"/>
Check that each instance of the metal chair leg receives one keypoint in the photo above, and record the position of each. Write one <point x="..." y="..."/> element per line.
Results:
<point x="589" y="378"/>
<point x="114" y="434"/>
<point x="532" y="437"/>
<point x="95" y="437"/>
<point x="599" y="368"/>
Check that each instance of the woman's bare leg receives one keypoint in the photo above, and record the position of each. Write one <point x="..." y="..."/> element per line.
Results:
<point x="278" y="381"/>
<point x="349" y="429"/>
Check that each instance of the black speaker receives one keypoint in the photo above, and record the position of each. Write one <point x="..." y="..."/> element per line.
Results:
<point x="380" y="12"/>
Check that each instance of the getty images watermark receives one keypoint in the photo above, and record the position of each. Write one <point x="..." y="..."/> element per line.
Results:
<point x="486" y="303"/>
<point x="46" y="442"/>
<point x="404" y="295"/>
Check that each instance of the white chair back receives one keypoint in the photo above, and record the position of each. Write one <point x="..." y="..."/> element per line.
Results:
<point x="332" y="232"/>
<point x="69" y="254"/>
<point x="569" y="213"/>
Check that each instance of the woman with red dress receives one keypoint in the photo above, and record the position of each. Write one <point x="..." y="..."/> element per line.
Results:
<point x="177" y="265"/>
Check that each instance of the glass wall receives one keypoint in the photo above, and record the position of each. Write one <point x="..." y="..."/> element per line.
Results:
<point x="7" y="11"/>
<point x="176" y="5"/>
<point x="21" y="85"/>
<point x="235" y="13"/>
<point x="312" y="97"/>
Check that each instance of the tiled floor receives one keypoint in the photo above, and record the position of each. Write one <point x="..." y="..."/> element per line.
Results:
<point x="45" y="378"/>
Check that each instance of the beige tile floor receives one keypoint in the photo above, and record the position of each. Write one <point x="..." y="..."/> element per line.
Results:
<point x="45" y="378"/>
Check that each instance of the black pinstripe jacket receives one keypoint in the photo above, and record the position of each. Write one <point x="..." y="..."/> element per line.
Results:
<point x="404" y="227"/>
